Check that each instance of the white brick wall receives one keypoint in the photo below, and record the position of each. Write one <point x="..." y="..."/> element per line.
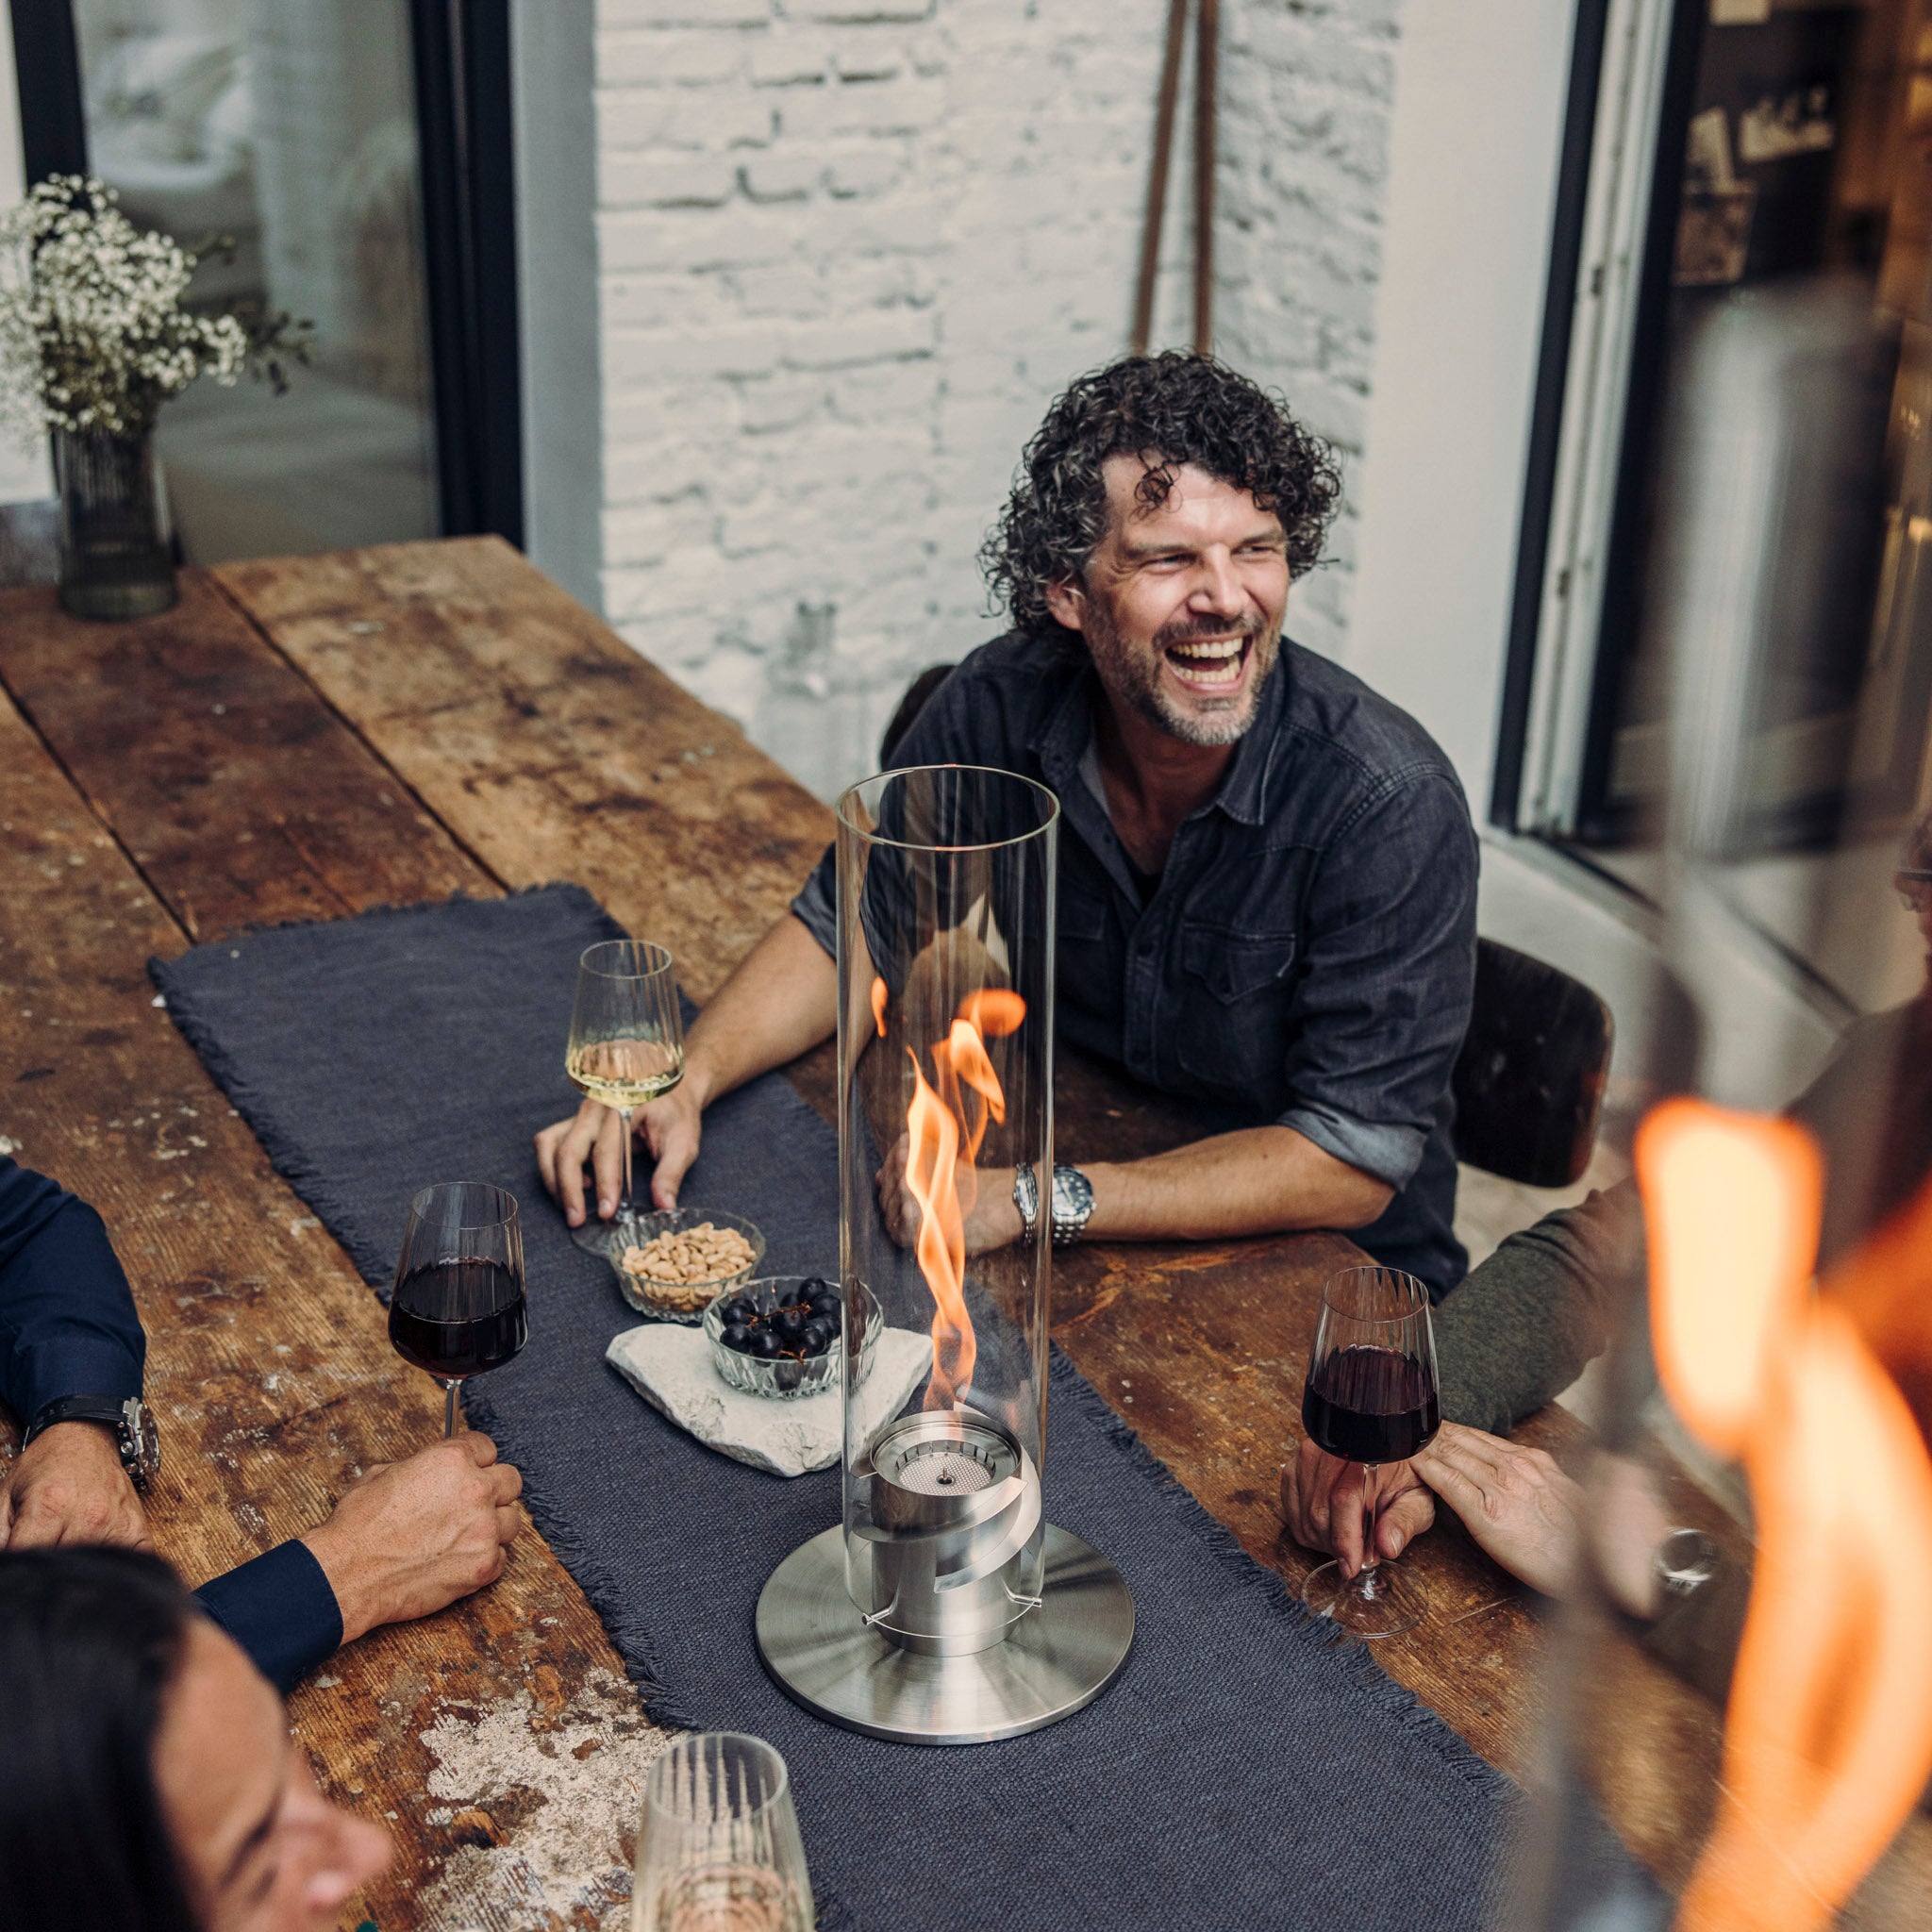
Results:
<point x="849" y="249"/>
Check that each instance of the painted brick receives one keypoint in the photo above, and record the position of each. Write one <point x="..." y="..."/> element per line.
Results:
<point x="849" y="250"/>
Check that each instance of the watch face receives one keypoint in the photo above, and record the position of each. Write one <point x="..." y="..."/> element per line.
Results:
<point x="143" y="1438"/>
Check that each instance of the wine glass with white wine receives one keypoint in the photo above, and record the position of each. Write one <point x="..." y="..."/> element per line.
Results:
<point x="717" y="1842"/>
<point x="626" y="1047"/>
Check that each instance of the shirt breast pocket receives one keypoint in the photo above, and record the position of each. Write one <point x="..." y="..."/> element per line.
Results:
<point x="1231" y="1030"/>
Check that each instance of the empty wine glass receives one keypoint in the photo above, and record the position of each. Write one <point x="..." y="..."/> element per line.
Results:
<point x="458" y="1307"/>
<point x="626" y="1046"/>
<point x="1371" y="1398"/>
<point x="718" y="1843"/>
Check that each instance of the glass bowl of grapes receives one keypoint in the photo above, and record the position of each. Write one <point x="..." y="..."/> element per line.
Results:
<point x="780" y="1336"/>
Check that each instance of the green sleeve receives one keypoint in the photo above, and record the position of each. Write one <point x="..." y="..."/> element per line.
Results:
<point x="1520" y="1328"/>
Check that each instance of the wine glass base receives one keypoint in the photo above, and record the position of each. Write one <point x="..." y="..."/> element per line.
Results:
<point x="1374" y="1603"/>
<point x="607" y="1237"/>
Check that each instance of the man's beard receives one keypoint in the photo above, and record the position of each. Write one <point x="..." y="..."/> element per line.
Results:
<point x="1133" y="679"/>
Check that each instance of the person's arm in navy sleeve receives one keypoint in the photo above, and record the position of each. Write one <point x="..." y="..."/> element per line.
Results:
<point x="67" y="1328"/>
<point x="280" y="1609"/>
<point x="407" y="1538"/>
<point x="67" y="1320"/>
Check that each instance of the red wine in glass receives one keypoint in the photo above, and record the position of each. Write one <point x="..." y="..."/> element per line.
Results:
<point x="458" y="1318"/>
<point x="458" y="1306"/>
<point x="1371" y="1405"/>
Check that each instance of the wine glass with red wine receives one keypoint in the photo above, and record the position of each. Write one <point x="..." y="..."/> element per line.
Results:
<point x="1371" y="1398"/>
<point x="458" y="1307"/>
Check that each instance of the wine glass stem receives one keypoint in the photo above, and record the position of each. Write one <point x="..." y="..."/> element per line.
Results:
<point x="449" y="1409"/>
<point x="1368" y="1519"/>
<point x="625" y="1214"/>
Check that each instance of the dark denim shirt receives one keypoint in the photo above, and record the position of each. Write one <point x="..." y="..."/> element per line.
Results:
<point x="1308" y="954"/>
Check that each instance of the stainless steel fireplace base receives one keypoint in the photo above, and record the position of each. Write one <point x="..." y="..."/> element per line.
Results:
<point x="1056" y="1660"/>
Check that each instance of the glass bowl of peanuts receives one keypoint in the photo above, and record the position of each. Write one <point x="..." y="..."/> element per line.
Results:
<point x="683" y="1260"/>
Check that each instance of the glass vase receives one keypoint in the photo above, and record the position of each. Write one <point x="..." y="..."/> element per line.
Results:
<point x="117" y="554"/>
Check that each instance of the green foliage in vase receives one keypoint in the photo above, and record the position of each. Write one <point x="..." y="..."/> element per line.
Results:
<point x="95" y="333"/>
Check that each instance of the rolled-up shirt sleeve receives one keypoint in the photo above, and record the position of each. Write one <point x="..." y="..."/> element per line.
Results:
<point x="67" y="1319"/>
<point x="1383" y="999"/>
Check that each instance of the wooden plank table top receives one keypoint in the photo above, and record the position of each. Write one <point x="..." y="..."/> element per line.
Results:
<point x="305" y="737"/>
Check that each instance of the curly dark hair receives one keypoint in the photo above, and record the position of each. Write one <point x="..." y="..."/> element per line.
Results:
<point x="1168" y="411"/>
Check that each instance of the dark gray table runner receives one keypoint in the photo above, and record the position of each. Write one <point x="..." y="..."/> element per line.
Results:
<point x="1243" y="1772"/>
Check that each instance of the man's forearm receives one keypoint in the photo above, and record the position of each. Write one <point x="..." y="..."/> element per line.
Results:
<point x="781" y="1002"/>
<point x="1262" y="1180"/>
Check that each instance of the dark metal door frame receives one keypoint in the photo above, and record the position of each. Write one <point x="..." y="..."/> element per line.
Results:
<point x="461" y="51"/>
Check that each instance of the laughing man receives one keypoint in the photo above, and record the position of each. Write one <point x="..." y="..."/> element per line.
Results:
<point x="1267" y="873"/>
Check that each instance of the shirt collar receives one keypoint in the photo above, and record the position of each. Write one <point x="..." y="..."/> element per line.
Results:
<point x="1067" y="731"/>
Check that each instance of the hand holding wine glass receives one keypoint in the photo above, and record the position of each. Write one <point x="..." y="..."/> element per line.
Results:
<point x="458" y="1307"/>
<point x="626" y="1048"/>
<point x="1371" y="1398"/>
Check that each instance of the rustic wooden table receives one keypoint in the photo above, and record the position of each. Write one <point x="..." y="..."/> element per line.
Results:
<point x="302" y="739"/>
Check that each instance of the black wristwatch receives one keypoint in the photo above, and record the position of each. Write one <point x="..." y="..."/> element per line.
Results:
<point x="130" y="1417"/>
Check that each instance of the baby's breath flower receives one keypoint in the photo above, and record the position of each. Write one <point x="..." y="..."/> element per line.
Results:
<point x="92" y="334"/>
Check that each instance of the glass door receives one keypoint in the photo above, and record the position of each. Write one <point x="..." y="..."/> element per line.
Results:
<point x="1763" y="485"/>
<point x="325" y="143"/>
<point x="1769" y="506"/>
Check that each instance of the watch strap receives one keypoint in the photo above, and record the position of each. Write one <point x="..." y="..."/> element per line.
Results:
<point x="77" y="1408"/>
<point x="1026" y="1198"/>
<point x="127" y="1416"/>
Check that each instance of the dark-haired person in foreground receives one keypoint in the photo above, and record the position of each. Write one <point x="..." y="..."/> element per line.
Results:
<point x="148" y="1782"/>
<point x="1267" y="873"/>
<point x="406" y="1540"/>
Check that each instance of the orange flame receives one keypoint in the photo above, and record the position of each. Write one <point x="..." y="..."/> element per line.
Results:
<point x="878" y="1005"/>
<point x="1828" y="1733"/>
<point x="941" y="1122"/>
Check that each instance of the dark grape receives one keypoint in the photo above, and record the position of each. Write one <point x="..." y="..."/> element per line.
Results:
<point x="788" y="1324"/>
<point x="764" y="1345"/>
<point x="739" y="1314"/>
<point x="737" y="1335"/>
<point x="819" y="1336"/>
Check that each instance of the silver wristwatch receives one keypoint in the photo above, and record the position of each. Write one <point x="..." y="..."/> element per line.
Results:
<point x="1683" y="1563"/>
<point x="1072" y="1203"/>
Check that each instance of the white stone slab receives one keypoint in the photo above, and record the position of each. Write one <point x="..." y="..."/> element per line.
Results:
<point x="671" y="1367"/>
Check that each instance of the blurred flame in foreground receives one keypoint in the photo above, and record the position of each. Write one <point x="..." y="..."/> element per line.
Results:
<point x="1828" y="1733"/>
<point x="941" y="1121"/>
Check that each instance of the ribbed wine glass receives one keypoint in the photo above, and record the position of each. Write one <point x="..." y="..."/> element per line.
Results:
<point x="626" y="1047"/>
<point x="718" y="1843"/>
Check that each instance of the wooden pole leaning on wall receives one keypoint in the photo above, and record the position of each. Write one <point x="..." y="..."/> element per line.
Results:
<point x="1164" y="113"/>
<point x="1167" y="110"/>
<point x="1207" y="64"/>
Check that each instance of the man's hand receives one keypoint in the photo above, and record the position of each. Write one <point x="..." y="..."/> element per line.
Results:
<point x="993" y="1223"/>
<point x="1322" y="1501"/>
<point x="408" y="1538"/>
<point x="70" y="1488"/>
<point x="671" y="1127"/>
<point x="1515" y="1501"/>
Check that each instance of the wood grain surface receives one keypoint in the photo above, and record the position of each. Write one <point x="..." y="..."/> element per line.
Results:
<point x="500" y="1741"/>
<point x="302" y="738"/>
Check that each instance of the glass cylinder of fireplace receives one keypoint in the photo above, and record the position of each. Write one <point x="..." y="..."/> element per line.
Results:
<point x="945" y="1094"/>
